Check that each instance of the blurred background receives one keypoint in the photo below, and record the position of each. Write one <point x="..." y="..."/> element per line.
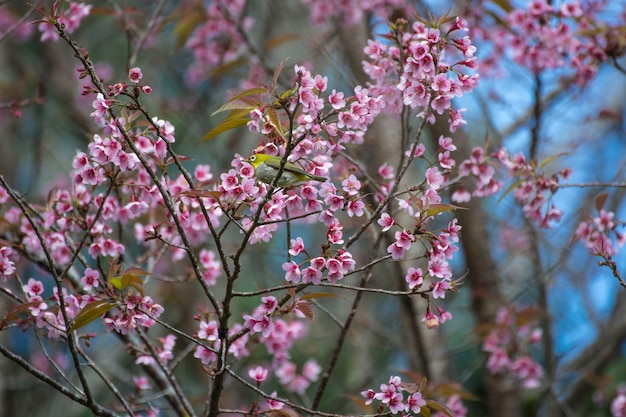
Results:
<point x="510" y="261"/>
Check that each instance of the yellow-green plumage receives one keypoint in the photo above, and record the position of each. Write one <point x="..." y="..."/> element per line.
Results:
<point x="266" y="168"/>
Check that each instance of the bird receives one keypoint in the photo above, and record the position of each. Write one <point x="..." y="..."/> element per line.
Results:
<point x="266" y="167"/>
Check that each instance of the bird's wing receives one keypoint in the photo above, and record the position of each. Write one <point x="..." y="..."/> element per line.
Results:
<point x="288" y="167"/>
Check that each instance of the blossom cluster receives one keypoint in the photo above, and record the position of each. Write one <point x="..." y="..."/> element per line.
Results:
<point x="505" y="345"/>
<point x="348" y="12"/>
<point x="426" y="68"/>
<point x="548" y="36"/>
<point x="218" y="40"/>
<point x="535" y="189"/>
<point x="7" y="266"/>
<point x="618" y="405"/>
<point x="478" y="167"/>
<point x="595" y="234"/>
<point x="70" y="18"/>
<point x="208" y="333"/>
<point x="396" y="398"/>
<point x="278" y="337"/>
<point x="21" y="31"/>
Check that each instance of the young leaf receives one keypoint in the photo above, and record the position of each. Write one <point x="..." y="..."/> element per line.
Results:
<point x="233" y="103"/>
<point x="235" y="119"/>
<point x="600" y="200"/>
<point x="509" y="189"/>
<point x="434" y="405"/>
<point x="200" y="193"/>
<point x="91" y="312"/>
<point x="318" y="295"/>
<point x="128" y="280"/>
<point x="279" y="40"/>
<point x="504" y="5"/>
<point x="306" y="309"/>
<point x="440" y="208"/>
<point x="549" y="159"/>
<point x="187" y="24"/>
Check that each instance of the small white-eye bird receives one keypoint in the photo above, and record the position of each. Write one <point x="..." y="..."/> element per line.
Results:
<point x="266" y="167"/>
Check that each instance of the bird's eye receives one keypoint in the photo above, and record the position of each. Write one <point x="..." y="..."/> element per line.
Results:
<point x="252" y="158"/>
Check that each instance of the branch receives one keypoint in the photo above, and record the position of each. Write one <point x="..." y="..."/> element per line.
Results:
<point x="97" y="409"/>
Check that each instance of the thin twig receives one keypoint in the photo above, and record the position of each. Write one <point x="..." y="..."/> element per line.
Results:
<point x="97" y="409"/>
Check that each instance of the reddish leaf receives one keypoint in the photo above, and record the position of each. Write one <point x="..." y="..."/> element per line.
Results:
<point x="318" y="295"/>
<point x="440" y="208"/>
<point x="434" y="405"/>
<point x="306" y="309"/>
<point x="91" y="312"/>
<point x="235" y="104"/>
<point x="600" y="200"/>
<point x="201" y="193"/>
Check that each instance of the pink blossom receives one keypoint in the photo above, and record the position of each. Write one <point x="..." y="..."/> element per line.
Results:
<point x="498" y="361"/>
<point x="414" y="277"/>
<point x="415" y="402"/>
<point x="351" y="185"/>
<point x="297" y="246"/>
<point x="208" y="331"/>
<point x="292" y="272"/>
<point x="272" y="404"/>
<point x="440" y="288"/>
<point x="101" y="107"/>
<point x="386" y="221"/>
<point x="355" y="208"/>
<point x="141" y="382"/>
<point x="618" y="406"/>
<point x="434" y="178"/>
<point x="90" y="279"/>
<point x="335" y="202"/>
<point x="135" y="75"/>
<point x="396" y="250"/>
<point x="269" y="305"/>
<point x="528" y="371"/>
<point x="205" y="355"/>
<point x="335" y="234"/>
<point x="311" y="275"/>
<point x="33" y="287"/>
<point x="256" y="324"/>
<point x="336" y="100"/>
<point x="259" y="374"/>
<point x="311" y="370"/>
<point x="370" y="396"/>
<point x="430" y="319"/>
<point x="386" y="171"/>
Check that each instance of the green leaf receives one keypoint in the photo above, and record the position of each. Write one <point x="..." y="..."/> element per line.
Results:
<point x="440" y="208"/>
<point x="279" y="40"/>
<point x="448" y="390"/>
<point x="91" y="312"/>
<point x="129" y="279"/>
<point x="187" y="24"/>
<point x="235" y="119"/>
<point x="509" y="189"/>
<point x="434" y="405"/>
<point x="233" y="104"/>
<point x="275" y="120"/>
<point x="504" y="5"/>
<point x="549" y="159"/>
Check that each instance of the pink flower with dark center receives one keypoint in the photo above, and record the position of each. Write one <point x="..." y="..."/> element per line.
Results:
<point x="259" y="374"/>
<point x="135" y="74"/>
